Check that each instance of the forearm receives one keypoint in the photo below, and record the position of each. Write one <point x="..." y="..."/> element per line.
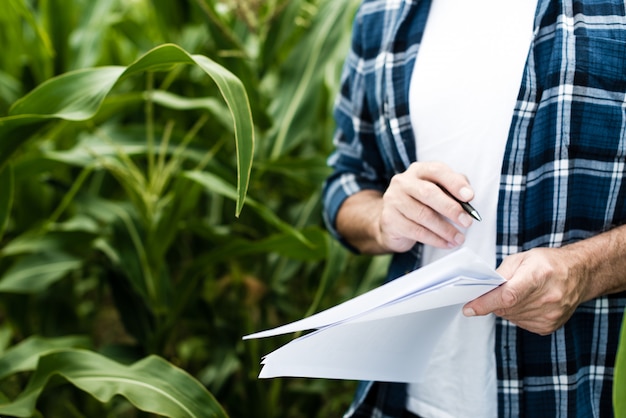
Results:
<point x="545" y="285"/>
<point x="601" y="261"/>
<point x="413" y="209"/>
<point x="358" y="221"/>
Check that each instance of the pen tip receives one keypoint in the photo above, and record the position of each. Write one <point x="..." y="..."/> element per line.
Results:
<point x="476" y="216"/>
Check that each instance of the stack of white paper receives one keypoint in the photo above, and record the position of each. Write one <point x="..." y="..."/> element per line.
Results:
<point x="386" y="334"/>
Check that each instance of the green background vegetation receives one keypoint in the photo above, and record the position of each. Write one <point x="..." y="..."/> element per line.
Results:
<point x="130" y="264"/>
<point x="160" y="173"/>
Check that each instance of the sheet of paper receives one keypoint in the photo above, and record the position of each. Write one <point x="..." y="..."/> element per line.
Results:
<point x="386" y="334"/>
<point x="388" y="349"/>
<point x="461" y="263"/>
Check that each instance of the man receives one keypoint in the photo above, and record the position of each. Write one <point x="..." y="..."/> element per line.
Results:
<point x="548" y="178"/>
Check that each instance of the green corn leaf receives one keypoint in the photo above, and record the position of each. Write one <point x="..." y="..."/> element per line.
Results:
<point x="25" y="355"/>
<point x="35" y="272"/>
<point x="78" y="95"/>
<point x="72" y="237"/>
<point x="305" y="74"/>
<point x="285" y="244"/>
<point x="173" y="101"/>
<point x="152" y="385"/>
<point x="72" y="96"/>
<point x="335" y="262"/>
<point x="218" y="185"/>
<point x="619" y="383"/>
<point x="6" y="196"/>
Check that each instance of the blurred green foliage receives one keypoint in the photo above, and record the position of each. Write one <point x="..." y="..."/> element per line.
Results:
<point x="619" y="383"/>
<point x="124" y="238"/>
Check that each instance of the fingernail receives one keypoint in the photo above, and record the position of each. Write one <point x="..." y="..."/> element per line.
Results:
<point x="469" y="312"/>
<point x="466" y="193"/>
<point x="458" y="239"/>
<point x="465" y="220"/>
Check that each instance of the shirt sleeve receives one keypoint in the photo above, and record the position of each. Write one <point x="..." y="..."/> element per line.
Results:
<point x="356" y="161"/>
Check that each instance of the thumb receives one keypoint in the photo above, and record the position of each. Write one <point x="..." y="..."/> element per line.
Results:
<point x="495" y="299"/>
<point x="485" y="304"/>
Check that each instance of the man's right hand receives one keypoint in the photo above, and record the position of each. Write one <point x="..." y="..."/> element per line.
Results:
<point x="414" y="208"/>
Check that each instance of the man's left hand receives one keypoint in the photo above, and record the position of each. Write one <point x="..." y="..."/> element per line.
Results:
<point x="543" y="288"/>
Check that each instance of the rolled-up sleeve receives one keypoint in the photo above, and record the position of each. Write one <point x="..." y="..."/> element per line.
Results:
<point x="356" y="160"/>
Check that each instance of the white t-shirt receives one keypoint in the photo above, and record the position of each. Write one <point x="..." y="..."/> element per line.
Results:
<point x="463" y="91"/>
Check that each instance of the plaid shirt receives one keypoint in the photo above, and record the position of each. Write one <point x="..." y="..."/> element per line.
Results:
<point x="561" y="181"/>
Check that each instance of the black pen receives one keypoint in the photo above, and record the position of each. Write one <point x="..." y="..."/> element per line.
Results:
<point x="466" y="206"/>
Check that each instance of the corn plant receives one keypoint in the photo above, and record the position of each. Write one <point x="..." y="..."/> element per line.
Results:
<point x="146" y="223"/>
<point x="619" y="384"/>
<point x="126" y="149"/>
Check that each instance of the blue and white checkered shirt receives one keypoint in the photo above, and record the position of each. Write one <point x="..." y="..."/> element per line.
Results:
<point x="562" y="181"/>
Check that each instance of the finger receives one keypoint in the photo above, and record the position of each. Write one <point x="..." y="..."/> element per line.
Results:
<point x="428" y="223"/>
<point x="423" y="223"/>
<point x="485" y="304"/>
<point x="535" y="327"/>
<point x="437" y="186"/>
<point x="441" y="202"/>
<point x="427" y="204"/>
<point x="503" y="299"/>
<point x="442" y="175"/>
<point x="537" y="321"/>
<point x="406" y="227"/>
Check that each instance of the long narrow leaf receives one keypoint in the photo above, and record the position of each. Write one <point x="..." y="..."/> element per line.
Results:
<point x="335" y="262"/>
<point x="152" y="385"/>
<point x="6" y="196"/>
<point x="35" y="272"/>
<point x="284" y="244"/>
<point x="25" y="355"/>
<point x="173" y="101"/>
<point x="72" y="96"/>
<point x="218" y="185"/>
<point x="619" y="384"/>
<point x="304" y="78"/>
<point x="79" y="94"/>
